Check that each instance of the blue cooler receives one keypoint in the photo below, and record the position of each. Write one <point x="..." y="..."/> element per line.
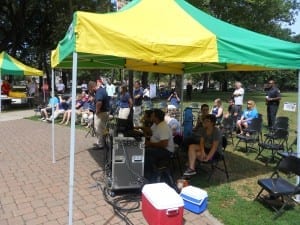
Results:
<point x="195" y="199"/>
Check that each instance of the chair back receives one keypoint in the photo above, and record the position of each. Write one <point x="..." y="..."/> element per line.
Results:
<point x="224" y="142"/>
<point x="281" y="123"/>
<point x="255" y="125"/>
<point x="281" y="134"/>
<point x="290" y="165"/>
<point x="228" y="124"/>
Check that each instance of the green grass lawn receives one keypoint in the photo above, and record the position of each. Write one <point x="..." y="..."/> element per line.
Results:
<point x="232" y="202"/>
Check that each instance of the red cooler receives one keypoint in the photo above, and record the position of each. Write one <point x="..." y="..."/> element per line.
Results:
<point x="161" y="205"/>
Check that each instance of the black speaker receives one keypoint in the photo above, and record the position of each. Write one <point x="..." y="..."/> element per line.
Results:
<point x="128" y="155"/>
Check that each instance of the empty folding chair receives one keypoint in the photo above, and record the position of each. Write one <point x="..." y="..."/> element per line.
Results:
<point x="278" y="186"/>
<point x="274" y="144"/>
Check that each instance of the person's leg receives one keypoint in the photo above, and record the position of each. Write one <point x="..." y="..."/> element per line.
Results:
<point x="100" y="126"/>
<point x="273" y="112"/>
<point x="192" y="155"/>
<point x="64" y="117"/>
<point x="68" y="117"/>
<point x="239" y="125"/>
<point x="269" y="116"/>
<point x="152" y="157"/>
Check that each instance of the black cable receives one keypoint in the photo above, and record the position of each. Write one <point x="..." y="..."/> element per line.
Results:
<point x="119" y="202"/>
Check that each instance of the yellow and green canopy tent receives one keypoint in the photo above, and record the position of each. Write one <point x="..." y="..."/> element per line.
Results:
<point x="169" y="36"/>
<point x="11" y="66"/>
<point x="165" y="36"/>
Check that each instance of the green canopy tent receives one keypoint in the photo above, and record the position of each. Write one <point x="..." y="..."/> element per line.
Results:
<point x="11" y="66"/>
<point x="169" y="36"/>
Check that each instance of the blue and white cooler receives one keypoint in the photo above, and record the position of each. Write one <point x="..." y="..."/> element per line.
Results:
<point x="195" y="199"/>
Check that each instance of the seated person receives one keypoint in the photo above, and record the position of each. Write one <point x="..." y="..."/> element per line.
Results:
<point x="247" y="116"/>
<point x="174" y="125"/>
<point x="160" y="146"/>
<point x="210" y="144"/>
<point x="217" y="110"/>
<point x="53" y="102"/>
<point x="195" y="137"/>
<point x="233" y="111"/>
<point x="5" y="87"/>
<point x="88" y="114"/>
<point x="62" y="106"/>
<point x="174" y="99"/>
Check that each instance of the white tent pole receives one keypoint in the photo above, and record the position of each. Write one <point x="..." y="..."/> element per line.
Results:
<point x="0" y="93"/>
<point x="52" y="94"/>
<point x="181" y="105"/>
<point x="298" y="131"/>
<point x="72" y="144"/>
<point x="44" y="90"/>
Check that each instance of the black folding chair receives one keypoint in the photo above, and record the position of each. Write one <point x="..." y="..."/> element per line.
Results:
<point x="280" y="190"/>
<point x="275" y="143"/>
<point x="252" y="135"/>
<point x="227" y="127"/>
<point x="218" y="157"/>
<point x="91" y="129"/>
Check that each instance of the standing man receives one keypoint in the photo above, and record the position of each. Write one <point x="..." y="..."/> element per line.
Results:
<point x="238" y="96"/>
<point x="273" y="98"/>
<point x="101" y="114"/>
<point x="137" y="103"/>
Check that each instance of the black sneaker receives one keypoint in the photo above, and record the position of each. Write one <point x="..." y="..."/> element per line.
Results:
<point x="190" y="172"/>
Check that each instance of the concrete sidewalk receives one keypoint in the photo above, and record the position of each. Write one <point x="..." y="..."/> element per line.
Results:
<point x="33" y="190"/>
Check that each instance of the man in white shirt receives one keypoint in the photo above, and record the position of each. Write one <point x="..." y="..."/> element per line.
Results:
<point x="60" y="87"/>
<point x="111" y="91"/>
<point x="238" y="96"/>
<point x="160" y="146"/>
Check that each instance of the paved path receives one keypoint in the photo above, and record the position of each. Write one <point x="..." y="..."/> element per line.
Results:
<point x="33" y="190"/>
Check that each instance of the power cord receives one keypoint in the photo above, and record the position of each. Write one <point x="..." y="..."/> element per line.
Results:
<point x="121" y="205"/>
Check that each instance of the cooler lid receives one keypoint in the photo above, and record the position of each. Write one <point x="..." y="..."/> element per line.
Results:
<point x="162" y="196"/>
<point x="194" y="192"/>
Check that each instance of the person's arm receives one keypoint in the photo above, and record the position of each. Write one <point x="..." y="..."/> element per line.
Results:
<point x="160" y="144"/>
<point x="130" y="102"/>
<point x="98" y="106"/>
<point x="212" y="150"/>
<point x="220" y="112"/>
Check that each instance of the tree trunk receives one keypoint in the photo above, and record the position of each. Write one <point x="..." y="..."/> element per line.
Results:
<point x="205" y="83"/>
<point x="144" y="79"/>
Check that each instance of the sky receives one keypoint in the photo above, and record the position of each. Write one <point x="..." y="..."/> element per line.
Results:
<point x="296" y="27"/>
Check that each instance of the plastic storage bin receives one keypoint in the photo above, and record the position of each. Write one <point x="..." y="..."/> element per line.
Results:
<point x="195" y="199"/>
<point x="161" y="205"/>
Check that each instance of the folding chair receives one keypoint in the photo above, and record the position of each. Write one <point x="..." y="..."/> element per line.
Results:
<point x="274" y="143"/>
<point x="92" y="130"/>
<point x="227" y="127"/>
<point x="279" y="188"/>
<point x="219" y="157"/>
<point x="252" y="134"/>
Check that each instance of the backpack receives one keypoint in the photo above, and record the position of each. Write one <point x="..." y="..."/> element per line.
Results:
<point x="187" y="122"/>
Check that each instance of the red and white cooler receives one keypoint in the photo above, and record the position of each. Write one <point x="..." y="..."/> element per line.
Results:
<point x="161" y="205"/>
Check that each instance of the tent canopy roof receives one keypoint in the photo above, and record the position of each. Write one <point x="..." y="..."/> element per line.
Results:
<point x="11" y="66"/>
<point x="169" y="36"/>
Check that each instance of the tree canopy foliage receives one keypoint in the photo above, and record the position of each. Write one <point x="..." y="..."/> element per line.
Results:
<point x="30" y="29"/>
